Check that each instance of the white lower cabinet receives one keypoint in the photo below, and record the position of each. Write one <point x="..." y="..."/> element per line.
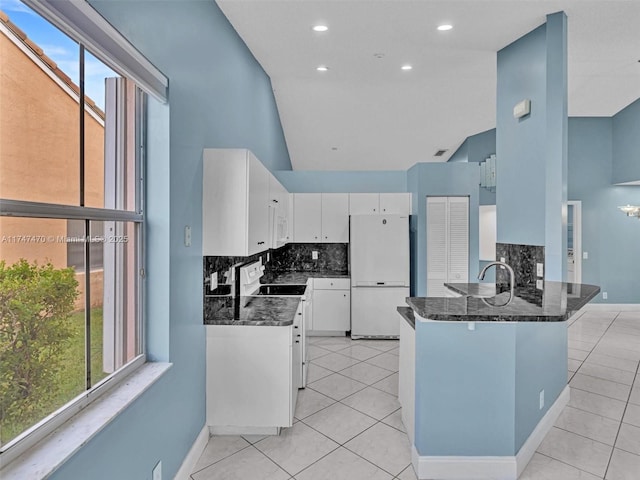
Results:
<point x="250" y="379"/>
<point x="406" y="377"/>
<point x="331" y="305"/>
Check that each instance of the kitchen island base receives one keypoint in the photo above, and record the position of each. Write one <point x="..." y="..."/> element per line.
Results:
<point x="489" y="467"/>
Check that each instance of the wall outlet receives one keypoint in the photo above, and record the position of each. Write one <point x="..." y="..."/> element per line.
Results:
<point x="157" y="471"/>
<point x="541" y="400"/>
<point x="605" y="295"/>
<point x="539" y="284"/>
<point x="314" y="254"/>
<point x="214" y="281"/>
<point x="540" y="269"/>
<point x="585" y="255"/>
<point x="503" y="260"/>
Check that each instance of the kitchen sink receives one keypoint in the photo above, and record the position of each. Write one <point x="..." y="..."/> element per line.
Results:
<point x="281" y="290"/>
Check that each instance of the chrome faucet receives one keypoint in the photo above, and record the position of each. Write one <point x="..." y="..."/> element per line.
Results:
<point x="512" y="278"/>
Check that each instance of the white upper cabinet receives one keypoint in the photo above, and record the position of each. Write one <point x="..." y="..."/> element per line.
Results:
<point x="335" y="217"/>
<point x="279" y="220"/>
<point x="321" y="217"/>
<point x="235" y="203"/>
<point x="379" y="203"/>
<point x="307" y="217"/>
<point x="364" y="203"/>
<point x="396" y="203"/>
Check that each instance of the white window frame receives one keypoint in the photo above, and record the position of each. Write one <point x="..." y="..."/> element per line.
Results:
<point x="82" y="23"/>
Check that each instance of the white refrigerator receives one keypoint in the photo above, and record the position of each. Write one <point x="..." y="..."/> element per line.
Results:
<point x="379" y="255"/>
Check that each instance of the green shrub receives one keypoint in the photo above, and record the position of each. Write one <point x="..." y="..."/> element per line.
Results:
<point x="36" y="303"/>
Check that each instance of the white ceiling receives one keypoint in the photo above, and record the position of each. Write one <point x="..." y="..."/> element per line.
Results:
<point x="365" y="113"/>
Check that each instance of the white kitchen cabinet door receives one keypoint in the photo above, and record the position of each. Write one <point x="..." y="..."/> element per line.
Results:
<point x="335" y="217"/>
<point x="307" y="213"/>
<point x="249" y="379"/>
<point x="447" y="243"/>
<point x="258" y="217"/>
<point x="364" y="203"/>
<point x="235" y="212"/>
<point x="331" y="310"/>
<point x="395" y="203"/>
<point x="278" y="213"/>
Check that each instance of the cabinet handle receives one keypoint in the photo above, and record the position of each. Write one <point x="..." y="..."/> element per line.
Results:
<point x="296" y="326"/>
<point x="260" y="243"/>
<point x="299" y="313"/>
<point x="297" y="341"/>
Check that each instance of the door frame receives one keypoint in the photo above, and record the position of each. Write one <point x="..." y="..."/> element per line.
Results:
<point x="577" y="238"/>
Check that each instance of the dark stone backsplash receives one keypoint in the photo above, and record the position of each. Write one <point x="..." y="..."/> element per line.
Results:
<point x="523" y="260"/>
<point x="296" y="257"/>
<point x="293" y="257"/>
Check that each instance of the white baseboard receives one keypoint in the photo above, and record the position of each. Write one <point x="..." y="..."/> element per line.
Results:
<point x="617" y="307"/>
<point x="189" y="462"/>
<point x="489" y="467"/>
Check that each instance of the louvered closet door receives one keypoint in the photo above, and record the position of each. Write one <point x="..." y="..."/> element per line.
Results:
<point x="436" y="246"/>
<point x="458" y="243"/>
<point x="447" y="243"/>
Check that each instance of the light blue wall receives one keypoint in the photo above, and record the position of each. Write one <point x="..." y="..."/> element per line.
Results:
<point x="476" y="148"/>
<point x="626" y="144"/>
<point x="608" y="236"/>
<point x="465" y="388"/>
<point x="531" y="151"/>
<point x="541" y="364"/>
<point x="477" y="392"/>
<point x="520" y="143"/>
<point x="219" y="97"/>
<point x="440" y="179"/>
<point x="305" y="181"/>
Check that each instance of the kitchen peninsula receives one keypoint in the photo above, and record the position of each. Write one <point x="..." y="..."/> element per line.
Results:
<point x="481" y="384"/>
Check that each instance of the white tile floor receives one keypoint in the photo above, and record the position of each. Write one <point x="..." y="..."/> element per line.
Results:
<point x="348" y="423"/>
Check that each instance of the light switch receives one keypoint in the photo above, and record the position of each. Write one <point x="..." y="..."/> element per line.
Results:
<point x="314" y="254"/>
<point x="585" y="255"/>
<point x="540" y="269"/>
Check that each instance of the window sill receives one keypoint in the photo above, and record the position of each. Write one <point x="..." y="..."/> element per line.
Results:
<point x="50" y="454"/>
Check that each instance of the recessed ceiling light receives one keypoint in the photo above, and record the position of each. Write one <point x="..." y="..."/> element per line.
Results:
<point x="322" y="68"/>
<point x="320" y="28"/>
<point x="406" y="67"/>
<point x="445" y="27"/>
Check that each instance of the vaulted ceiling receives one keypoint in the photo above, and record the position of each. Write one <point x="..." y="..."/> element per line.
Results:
<point x="366" y="113"/>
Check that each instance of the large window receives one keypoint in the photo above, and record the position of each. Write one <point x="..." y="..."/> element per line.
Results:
<point x="71" y="223"/>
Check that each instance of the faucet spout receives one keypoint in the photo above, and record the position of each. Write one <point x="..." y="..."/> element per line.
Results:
<point x="512" y="280"/>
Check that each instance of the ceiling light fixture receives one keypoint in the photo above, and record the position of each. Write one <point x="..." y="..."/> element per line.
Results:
<point x="322" y="68"/>
<point x="445" y="27"/>
<point x="320" y="28"/>
<point x="631" y="210"/>
<point x="406" y="67"/>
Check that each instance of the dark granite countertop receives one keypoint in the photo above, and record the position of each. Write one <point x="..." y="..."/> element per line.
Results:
<point x="300" y="277"/>
<point x="261" y="310"/>
<point x="555" y="302"/>
<point x="407" y="314"/>
<point x="257" y="311"/>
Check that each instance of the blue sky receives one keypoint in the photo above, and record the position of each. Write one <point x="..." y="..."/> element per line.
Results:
<point x="60" y="48"/>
